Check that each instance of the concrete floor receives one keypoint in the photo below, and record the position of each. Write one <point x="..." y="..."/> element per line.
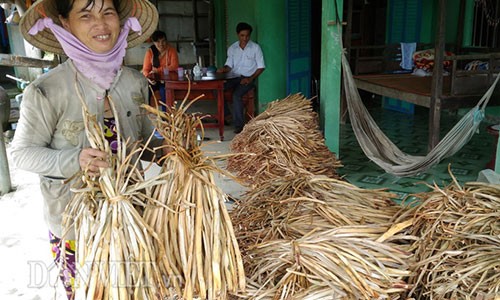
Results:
<point x="212" y="146"/>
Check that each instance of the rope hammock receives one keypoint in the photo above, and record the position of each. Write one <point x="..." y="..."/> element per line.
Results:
<point x="378" y="148"/>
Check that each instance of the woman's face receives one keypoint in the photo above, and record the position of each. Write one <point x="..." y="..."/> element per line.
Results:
<point x="161" y="45"/>
<point x="97" y="26"/>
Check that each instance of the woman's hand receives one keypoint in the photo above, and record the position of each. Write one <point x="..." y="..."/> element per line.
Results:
<point x="91" y="160"/>
<point x="152" y="77"/>
<point x="151" y="81"/>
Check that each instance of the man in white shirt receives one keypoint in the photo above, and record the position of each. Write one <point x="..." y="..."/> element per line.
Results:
<point x="246" y="61"/>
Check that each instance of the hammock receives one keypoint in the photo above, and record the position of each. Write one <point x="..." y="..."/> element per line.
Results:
<point x="378" y="148"/>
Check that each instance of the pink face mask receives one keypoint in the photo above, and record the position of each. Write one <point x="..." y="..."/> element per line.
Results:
<point x="101" y="68"/>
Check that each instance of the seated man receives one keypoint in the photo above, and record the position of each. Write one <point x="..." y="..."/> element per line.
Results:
<point x="159" y="59"/>
<point x="245" y="59"/>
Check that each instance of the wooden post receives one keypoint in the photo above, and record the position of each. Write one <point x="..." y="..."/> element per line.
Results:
<point x="4" y="121"/>
<point x="497" y="160"/>
<point x="347" y="45"/>
<point x="16" y="61"/>
<point x="348" y="29"/>
<point x="196" y="36"/>
<point x="460" y="27"/>
<point x="437" y="77"/>
<point x="21" y="6"/>
<point x="5" y="184"/>
<point x="23" y="61"/>
<point x="211" y="31"/>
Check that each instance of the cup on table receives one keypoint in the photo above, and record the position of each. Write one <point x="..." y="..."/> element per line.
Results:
<point x="180" y="72"/>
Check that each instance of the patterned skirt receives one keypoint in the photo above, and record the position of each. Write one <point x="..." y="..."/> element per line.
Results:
<point x="65" y="260"/>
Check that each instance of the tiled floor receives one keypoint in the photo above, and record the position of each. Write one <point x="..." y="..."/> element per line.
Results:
<point x="409" y="133"/>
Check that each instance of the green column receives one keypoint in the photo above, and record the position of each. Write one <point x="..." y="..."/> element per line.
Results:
<point x="469" y="21"/>
<point x="270" y="18"/>
<point x="330" y="89"/>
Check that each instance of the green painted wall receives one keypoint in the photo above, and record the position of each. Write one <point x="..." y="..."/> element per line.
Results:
<point x="428" y="21"/>
<point x="269" y="21"/>
<point x="271" y="18"/>
<point x="468" y="19"/>
<point x="240" y="11"/>
<point x="331" y="62"/>
<point x="452" y="22"/>
<point x="429" y="15"/>
<point x="269" y="27"/>
<point x="228" y="13"/>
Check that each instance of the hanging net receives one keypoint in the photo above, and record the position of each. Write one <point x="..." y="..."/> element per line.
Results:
<point x="378" y="148"/>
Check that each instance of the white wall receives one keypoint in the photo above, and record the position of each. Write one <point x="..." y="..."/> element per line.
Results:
<point x="135" y="56"/>
<point x="177" y="22"/>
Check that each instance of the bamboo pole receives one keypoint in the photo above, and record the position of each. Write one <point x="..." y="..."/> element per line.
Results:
<point x="23" y="61"/>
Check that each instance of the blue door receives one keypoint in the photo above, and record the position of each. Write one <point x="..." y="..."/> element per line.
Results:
<point x="299" y="47"/>
<point x="404" y="20"/>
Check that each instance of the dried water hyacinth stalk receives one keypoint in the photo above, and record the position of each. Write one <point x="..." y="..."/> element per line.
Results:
<point x="117" y="256"/>
<point x="457" y="252"/>
<point x="190" y="216"/>
<point x="348" y="262"/>
<point x="291" y="207"/>
<point x="276" y="219"/>
<point x="283" y="140"/>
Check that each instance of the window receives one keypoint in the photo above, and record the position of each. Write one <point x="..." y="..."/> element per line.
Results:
<point x="486" y="28"/>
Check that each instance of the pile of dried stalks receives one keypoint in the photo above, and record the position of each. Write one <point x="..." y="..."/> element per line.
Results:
<point x="190" y="215"/>
<point x="116" y="250"/>
<point x="458" y="246"/>
<point x="348" y="262"/>
<point x="314" y="235"/>
<point x="283" y="140"/>
<point x="305" y="236"/>
<point x="291" y="207"/>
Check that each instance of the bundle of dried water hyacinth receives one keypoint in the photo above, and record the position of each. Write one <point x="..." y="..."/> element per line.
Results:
<point x="290" y="207"/>
<point x="116" y="250"/>
<point x="347" y="262"/>
<point x="458" y="246"/>
<point x="292" y="230"/>
<point x="283" y="140"/>
<point x="191" y="217"/>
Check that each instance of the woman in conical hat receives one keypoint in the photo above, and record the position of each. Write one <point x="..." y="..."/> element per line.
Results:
<point x="50" y="138"/>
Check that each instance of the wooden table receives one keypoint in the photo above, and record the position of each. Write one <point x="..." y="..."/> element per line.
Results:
<point x="212" y="88"/>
